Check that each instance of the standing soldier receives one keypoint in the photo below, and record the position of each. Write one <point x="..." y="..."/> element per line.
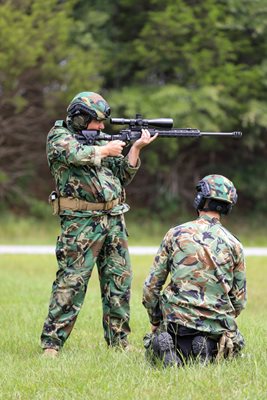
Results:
<point x="195" y="315"/>
<point x="90" y="201"/>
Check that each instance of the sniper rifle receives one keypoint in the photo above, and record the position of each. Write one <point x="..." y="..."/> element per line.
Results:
<point x="162" y="126"/>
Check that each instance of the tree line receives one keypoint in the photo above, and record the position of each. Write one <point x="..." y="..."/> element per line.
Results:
<point x="202" y="63"/>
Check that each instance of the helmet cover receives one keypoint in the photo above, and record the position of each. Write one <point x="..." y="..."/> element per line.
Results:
<point x="89" y="103"/>
<point x="217" y="187"/>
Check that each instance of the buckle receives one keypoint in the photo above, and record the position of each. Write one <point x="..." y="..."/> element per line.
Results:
<point x="108" y="205"/>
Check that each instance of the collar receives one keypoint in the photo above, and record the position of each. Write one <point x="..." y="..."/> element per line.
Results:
<point x="211" y="220"/>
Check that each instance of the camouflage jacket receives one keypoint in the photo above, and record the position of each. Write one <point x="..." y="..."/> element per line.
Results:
<point x="80" y="172"/>
<point x="207" y="287"/>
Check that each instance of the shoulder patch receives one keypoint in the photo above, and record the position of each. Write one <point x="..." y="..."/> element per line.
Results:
<point x="60" y="123"/>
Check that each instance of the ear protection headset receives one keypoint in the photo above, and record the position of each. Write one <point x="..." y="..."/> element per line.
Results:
<point x="199" y="201"/>
<point x="80" y="115"/>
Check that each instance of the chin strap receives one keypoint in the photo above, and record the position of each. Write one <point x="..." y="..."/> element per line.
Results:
<point x="219" y="207"/>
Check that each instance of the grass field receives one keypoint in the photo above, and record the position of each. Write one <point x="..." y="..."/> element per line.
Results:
<point x="143" y="231"/>
<point x="86" y="369"/>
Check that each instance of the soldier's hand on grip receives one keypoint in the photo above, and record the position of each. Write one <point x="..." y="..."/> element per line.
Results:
<point x="113" y="148"/>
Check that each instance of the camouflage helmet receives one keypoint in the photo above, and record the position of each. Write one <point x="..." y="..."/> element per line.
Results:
<point x="215" y="187"/>
<point x="89" y="105"/>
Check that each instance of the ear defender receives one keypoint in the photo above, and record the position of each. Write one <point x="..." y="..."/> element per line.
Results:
<point x="81" y="121"/>
<point x="81" y="115"/>
<point x="199" y="201"/>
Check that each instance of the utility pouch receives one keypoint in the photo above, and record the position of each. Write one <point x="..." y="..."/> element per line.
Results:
<point x="54" y="202"/>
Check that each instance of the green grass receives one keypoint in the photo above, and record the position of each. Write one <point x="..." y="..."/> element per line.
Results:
<point x="86" y="369"/>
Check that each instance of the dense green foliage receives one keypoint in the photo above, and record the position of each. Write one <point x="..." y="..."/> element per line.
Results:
<point x="202" y="63"/>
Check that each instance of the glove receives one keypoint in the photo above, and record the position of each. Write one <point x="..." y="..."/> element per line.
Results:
<point x="225" y="347"/>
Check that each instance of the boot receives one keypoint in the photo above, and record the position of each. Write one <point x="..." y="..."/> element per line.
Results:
<point x="50" y="353"/>
<point x="200" y="349"/>
<point x="163" y="347"/>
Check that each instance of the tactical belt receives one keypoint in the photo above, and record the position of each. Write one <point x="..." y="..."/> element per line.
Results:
<point x="74" y="204"/>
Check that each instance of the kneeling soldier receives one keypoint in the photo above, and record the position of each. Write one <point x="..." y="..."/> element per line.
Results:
<point x="195" y="315"/>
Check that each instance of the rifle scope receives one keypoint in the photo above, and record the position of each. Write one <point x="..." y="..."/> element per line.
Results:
<point x="139" y="122"/>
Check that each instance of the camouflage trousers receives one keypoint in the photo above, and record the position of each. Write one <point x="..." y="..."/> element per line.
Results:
<point x="84" y="242"/>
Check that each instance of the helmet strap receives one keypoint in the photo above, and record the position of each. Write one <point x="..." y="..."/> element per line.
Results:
<point x="218" y="206"/>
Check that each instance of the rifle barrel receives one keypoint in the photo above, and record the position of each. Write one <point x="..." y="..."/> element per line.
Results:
<point x="191" y="132"/>
<point x="236" y="134"/>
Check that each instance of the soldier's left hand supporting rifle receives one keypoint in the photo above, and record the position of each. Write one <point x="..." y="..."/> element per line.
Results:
<point x="162" y="126"/>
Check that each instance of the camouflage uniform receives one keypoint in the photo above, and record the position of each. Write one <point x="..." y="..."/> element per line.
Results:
<point x="207" y="288"/>
<point x="89" y="237"/>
